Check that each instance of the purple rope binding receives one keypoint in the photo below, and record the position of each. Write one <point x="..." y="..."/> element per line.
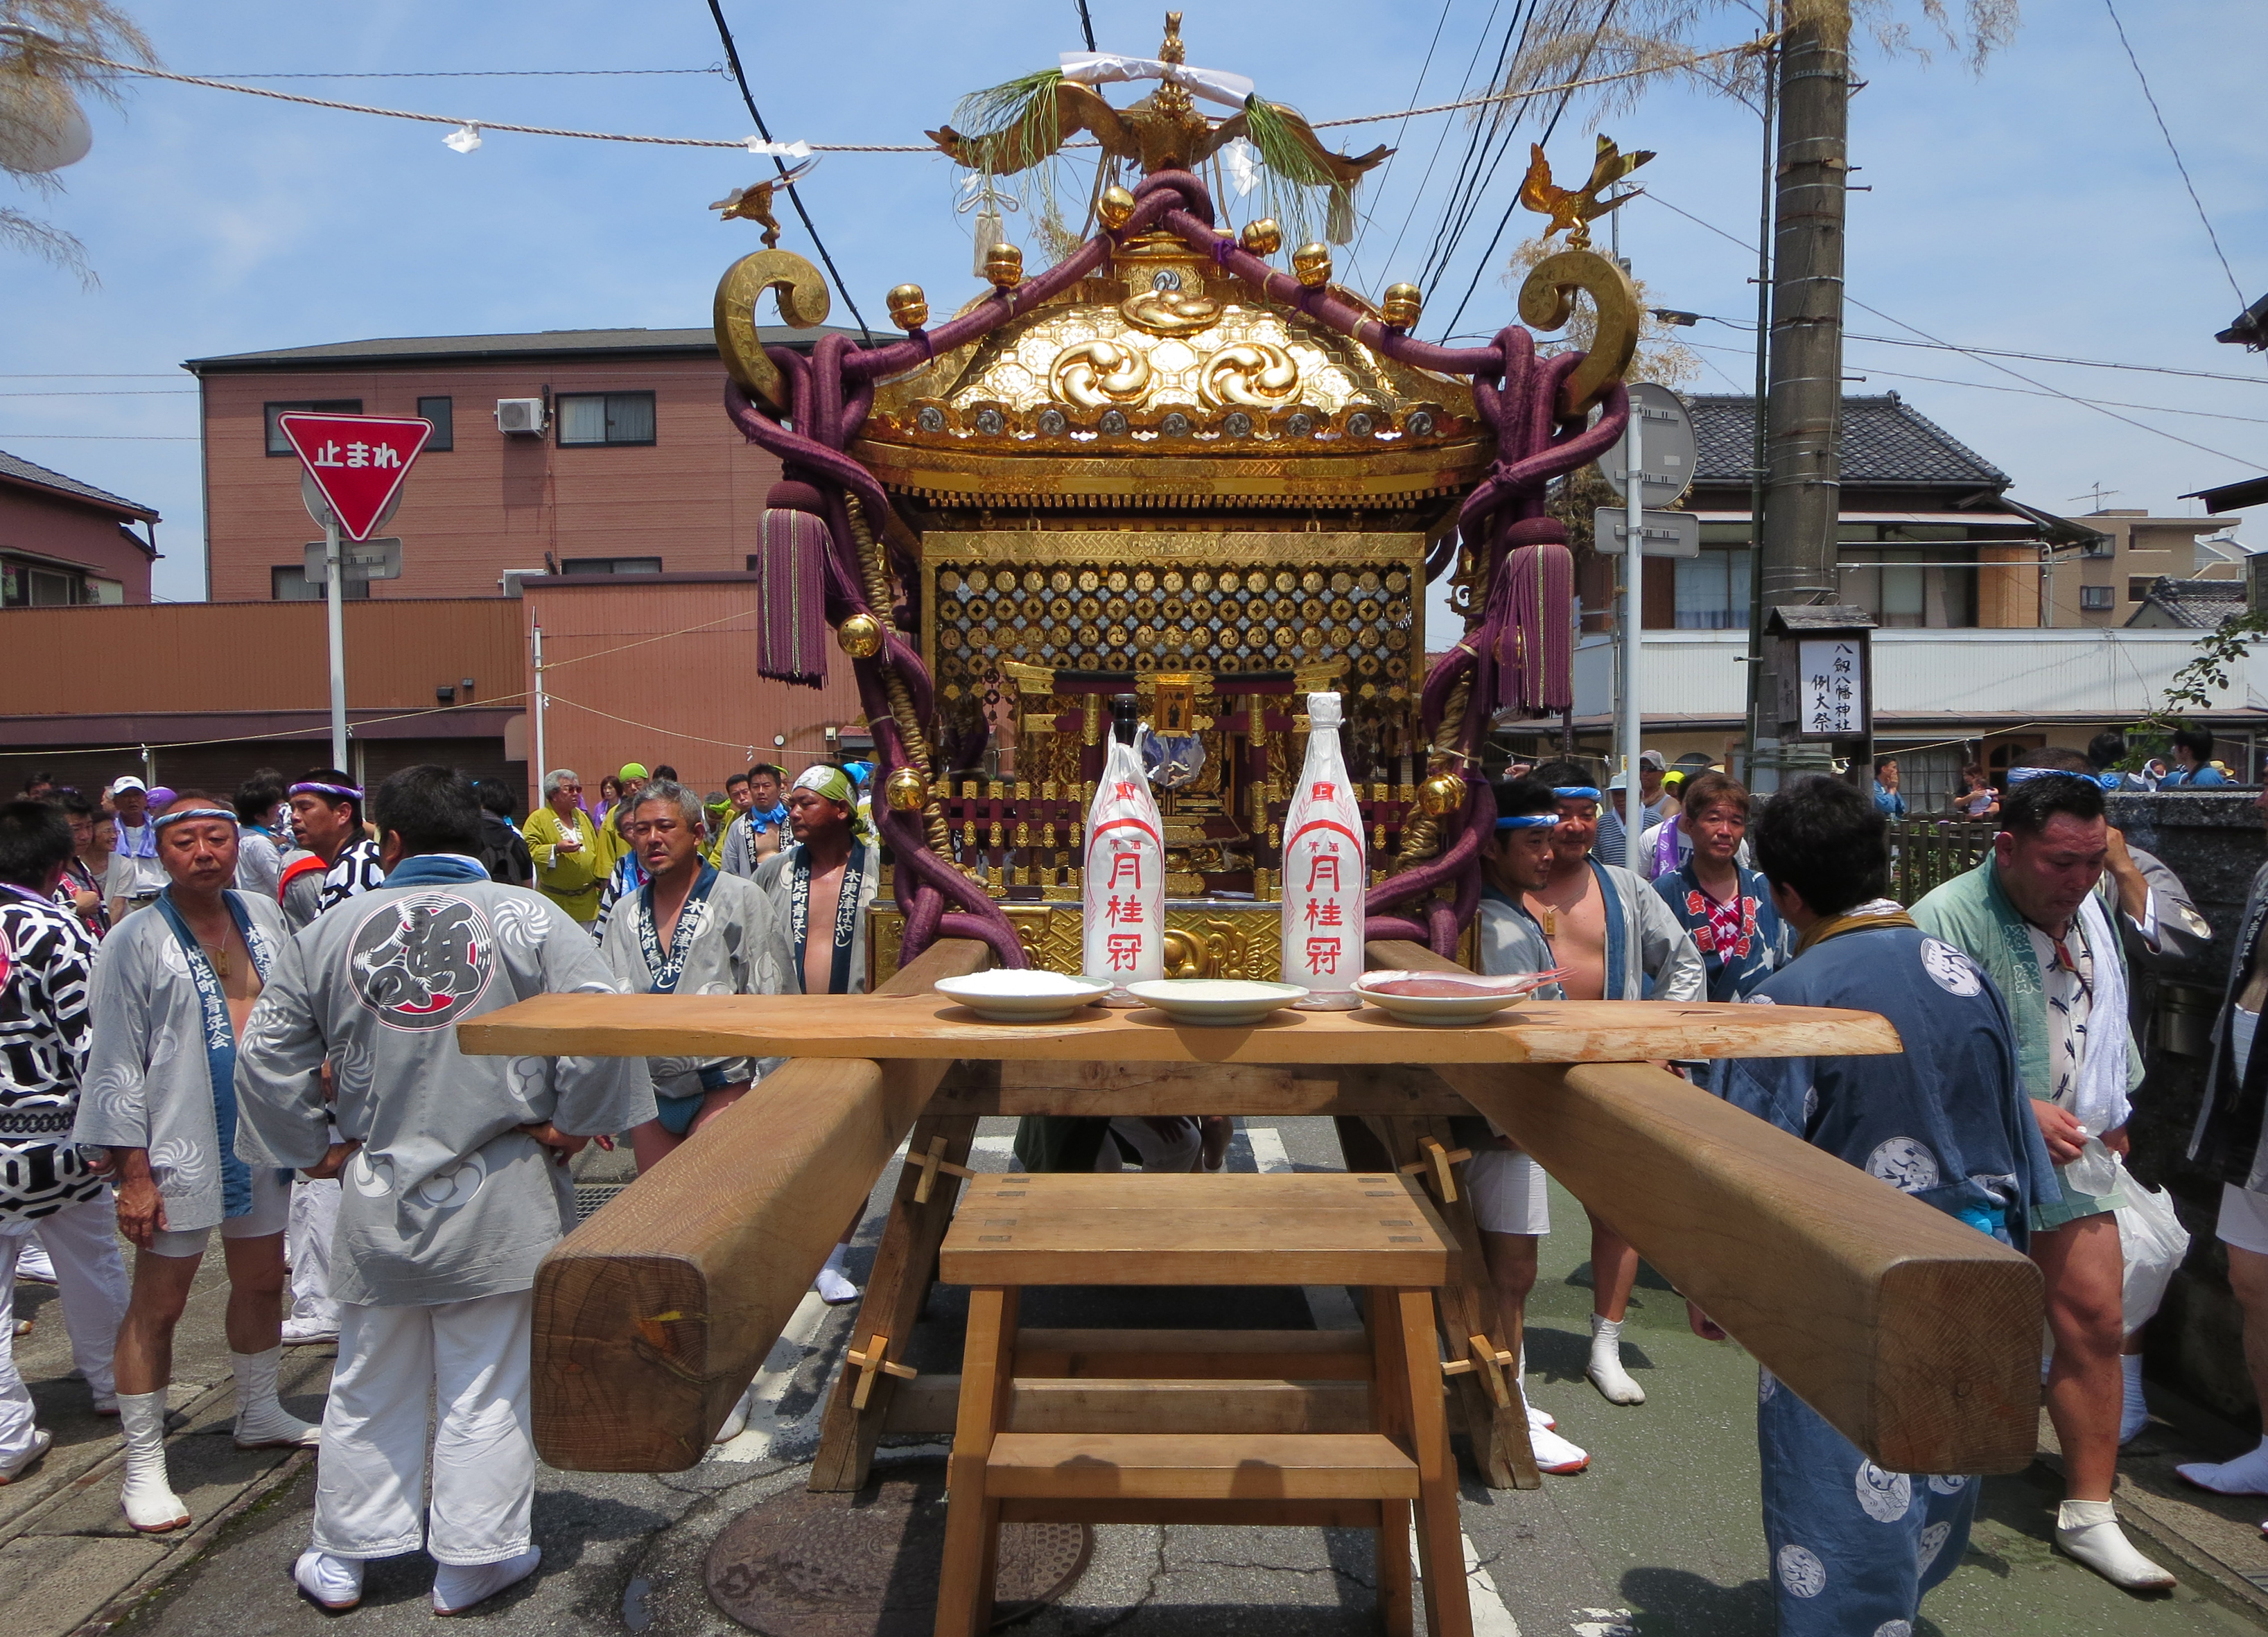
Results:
<point x="1519" y="654"/>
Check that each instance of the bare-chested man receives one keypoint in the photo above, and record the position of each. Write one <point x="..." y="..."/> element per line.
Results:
<point x="822" y="887"/>
<point x="1618" y="942"/>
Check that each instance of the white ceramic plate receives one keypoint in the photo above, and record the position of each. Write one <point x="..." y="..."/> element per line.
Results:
<point x="1220" y="1003"/>
<point x="1006" y="996"/>
<point x="1475" y="998"/>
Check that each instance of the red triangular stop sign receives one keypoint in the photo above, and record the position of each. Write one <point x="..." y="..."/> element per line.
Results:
<point x="357" y="461"/>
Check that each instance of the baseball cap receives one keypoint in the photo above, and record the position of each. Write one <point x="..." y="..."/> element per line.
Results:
<point x="1620" y="781"/>
<point x="633" y="770"/>
<point x="128" y="782"/>
<point x="1651" y="758"/>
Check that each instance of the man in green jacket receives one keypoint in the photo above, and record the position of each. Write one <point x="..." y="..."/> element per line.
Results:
<point x="2034" y="917"/>
<point x="561" y="840"/>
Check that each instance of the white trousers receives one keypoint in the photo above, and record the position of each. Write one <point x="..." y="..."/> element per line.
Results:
<point x="469" y="1361"/>
<point x="307" y="1235"/>
<point x="82" y="1241"/>
<point x="1174" y="1149"/>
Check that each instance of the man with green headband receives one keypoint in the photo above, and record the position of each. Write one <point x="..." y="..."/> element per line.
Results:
<point x="821" y="886"/>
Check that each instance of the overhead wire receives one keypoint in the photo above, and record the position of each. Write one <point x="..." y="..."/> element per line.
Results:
<point x="718" y="69"/>
<point x="1386" y="171"/>
<point x="1484" y="144"/>
<point x="1982" y="356"/>
<point x="1480" y="44"/>
<point x="2150" y="96"/>
<point x="1086" y="24"/>
<point x="1496" y="237"/>
<point x="732" y="55"/>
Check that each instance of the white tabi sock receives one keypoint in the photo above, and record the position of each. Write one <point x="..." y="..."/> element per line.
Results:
<point x="2090" y="1531"/>
<point x="834" y="1286"/>
<point x="459" y="1586"/>
<point x="328" y="1579"/>
<point x="1605" y="1368"/>
<point x="2246" y="1475"/>
<point x="261" y="1421"/>
<point x="2134" y="1415"/>
<point x="148" y="1497"/>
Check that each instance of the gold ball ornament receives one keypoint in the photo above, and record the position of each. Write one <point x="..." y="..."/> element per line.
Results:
<point x="1262" y="238"/>
<point x="1004" y="264"/>
<point x="1441" y="795"/>
<point x="906" y="791"/>
<point x="860" y="635"/>
<point x="908" y="306"/>
<point x="1115" y="206"/>
<point x="1401" y="304"/>
<point x="1312" y="264"/>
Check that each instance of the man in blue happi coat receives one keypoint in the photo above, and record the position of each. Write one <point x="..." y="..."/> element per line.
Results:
<point x="1853" y="1547"/>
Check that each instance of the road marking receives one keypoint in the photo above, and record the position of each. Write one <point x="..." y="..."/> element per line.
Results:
<point x="797" y="1341"/>
<point x="1491" y="1617"/>
<point x="1605" y="1623"/>
<point x="1268" y="1155"/>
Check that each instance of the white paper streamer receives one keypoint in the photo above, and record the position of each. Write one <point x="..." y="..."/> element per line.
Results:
<point x="1108" y="68"/>
<point x="779" y="150"/>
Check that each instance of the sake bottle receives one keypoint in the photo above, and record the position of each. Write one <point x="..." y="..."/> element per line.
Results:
<point x="1123" y="888"/>
<point x="1324" y="874"/>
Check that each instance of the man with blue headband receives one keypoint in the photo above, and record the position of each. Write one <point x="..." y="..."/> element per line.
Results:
<point x="1620" y="943"/>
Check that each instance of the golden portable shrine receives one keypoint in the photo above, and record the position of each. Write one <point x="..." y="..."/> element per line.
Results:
<point x="1165" y="466"/>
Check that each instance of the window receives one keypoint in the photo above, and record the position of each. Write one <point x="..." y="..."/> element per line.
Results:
<point x="2097" y="598"/>
<point x="2137" y="587"/>
<point x="442" y="413"/>
<point x="292" y="585"/>
<point x="611" y="565"/>
<point x="278" y="444"/>
<point x="1712" y="591"/>
<point x="40" y="585"/>
<point x="588" y="418"/>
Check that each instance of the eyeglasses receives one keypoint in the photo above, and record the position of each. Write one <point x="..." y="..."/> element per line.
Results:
<point x="570" y="787"/>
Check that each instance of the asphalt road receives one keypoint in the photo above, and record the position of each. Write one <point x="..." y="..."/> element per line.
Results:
<point x="1661" y="1535"/>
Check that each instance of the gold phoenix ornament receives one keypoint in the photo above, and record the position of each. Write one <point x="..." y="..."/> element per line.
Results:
<point x="1575" y="209"/>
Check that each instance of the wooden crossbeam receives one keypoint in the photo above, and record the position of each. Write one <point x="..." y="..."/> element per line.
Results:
<point x="652" y="1316"/>
<point x="930" y="1161"/>
<point x="875" y="1360"/>
<point x="1438" y="1160"/>
<point x="1489" y="1362"/>
<point x="893" y="1025"/>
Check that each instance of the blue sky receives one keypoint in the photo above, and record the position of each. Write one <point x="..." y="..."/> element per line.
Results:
<point x="2034" y="207"/>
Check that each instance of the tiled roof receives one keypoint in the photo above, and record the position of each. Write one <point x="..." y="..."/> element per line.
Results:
<point x="1884" y="440"/>
<point x="539" y="343"/>
<point x="15" y="468"/>
<point x="2201" y="605"/>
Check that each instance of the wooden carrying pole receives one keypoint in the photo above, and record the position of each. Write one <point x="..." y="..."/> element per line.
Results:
<point x="653" y="1316"/>
<point x="1914" y="1335"/>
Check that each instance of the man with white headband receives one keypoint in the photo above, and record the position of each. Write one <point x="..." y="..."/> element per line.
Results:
<point x="2038" y="916"/>
<point x="456" y="1186"/>
<point x="821" y="888"/>
<point x="1619" y="942"/>
<point x="327" y="820"/>
<point x="173" y="989"/>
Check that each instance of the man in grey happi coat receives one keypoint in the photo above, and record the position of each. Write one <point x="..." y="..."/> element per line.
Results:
<point x="456" y="1185"/>
<point x="690" y="929"/>
<point x="173" y="988"/>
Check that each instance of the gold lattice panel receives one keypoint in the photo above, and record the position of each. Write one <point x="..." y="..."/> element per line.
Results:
<point x="1140" y="601"/>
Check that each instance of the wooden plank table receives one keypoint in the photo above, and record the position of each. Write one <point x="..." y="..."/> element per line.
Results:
<point x="1911" y="1333"/>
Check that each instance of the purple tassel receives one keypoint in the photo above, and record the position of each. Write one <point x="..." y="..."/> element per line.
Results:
<point x="791" y="628"/>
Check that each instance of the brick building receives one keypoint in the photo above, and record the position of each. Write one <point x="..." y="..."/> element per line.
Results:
<point x="64" y="542"/>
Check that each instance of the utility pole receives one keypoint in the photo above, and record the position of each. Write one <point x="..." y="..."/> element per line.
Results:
<point x="1803" y="407"/>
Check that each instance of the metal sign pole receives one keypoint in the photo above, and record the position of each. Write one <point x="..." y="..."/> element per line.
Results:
<point x="542" y="763"/>
<point x="332" y="597"/>
<point x="1633" y="642"/>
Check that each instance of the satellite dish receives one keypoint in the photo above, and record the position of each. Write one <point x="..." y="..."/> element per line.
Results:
<point x="40" y="126"/>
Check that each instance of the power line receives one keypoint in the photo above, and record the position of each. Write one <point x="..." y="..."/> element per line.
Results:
<point x="794" y="197"/>
<point x="1086" y="24"/>
<point x="1385" y="174"/>
<point x="1480" y="43"/>
<point x="1484" y="149"/>
<point x="1978" y="352"/>
<point x="2149" y="97"/>
<point x="718" y="69"/>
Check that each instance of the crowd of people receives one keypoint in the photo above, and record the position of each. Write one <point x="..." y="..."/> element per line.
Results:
<point x="238" y="1015"/>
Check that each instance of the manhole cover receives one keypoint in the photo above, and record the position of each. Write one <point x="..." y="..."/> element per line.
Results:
<point x="804" y="1564"/>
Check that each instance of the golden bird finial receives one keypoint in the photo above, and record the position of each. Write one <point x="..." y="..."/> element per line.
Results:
<point x="1575" y="209"/>
<point x="754" y="204"/>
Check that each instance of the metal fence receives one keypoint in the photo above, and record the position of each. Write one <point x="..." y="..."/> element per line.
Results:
<point x="1926" y="853"/>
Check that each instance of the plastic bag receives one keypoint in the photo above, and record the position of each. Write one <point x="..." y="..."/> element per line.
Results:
<point x="2153" y="1242"/>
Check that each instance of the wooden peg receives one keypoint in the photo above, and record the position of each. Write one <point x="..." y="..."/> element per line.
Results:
<point x="1491" y="1362"/>
<point x="1438" y="1159"/>
<point x="928" y="1164"/>
<point x="874" y="1360"/>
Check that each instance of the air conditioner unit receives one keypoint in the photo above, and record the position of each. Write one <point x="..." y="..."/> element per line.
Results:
<point x="520" y="416"/>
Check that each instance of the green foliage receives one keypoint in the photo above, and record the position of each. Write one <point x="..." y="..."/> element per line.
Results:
<point x="1296" y="189"/>
<point x="2219" y="653"/>
<point x="1011" y="127"/>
